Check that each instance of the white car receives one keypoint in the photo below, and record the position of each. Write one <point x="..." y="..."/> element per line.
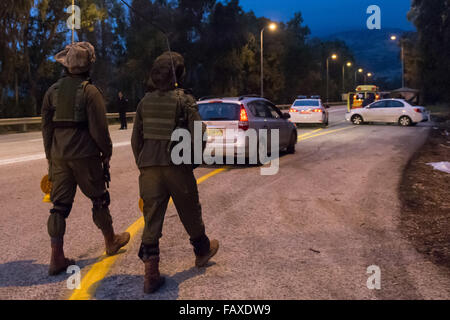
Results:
<point x="389" y="110"/>
<point x="309" y="111"/>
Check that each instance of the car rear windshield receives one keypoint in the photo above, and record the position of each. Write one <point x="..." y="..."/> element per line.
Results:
<point x="219" y="111"/>
<point x="306" y="103"/>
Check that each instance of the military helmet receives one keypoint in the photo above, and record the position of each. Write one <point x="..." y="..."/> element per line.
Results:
<point x="77" y="57"/>
<point x="162" y="75"/>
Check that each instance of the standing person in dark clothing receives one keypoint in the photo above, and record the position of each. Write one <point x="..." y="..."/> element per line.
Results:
<point x="156" y="119"/>
<point x="122" y="104"/>
<point x="78" y="147"/>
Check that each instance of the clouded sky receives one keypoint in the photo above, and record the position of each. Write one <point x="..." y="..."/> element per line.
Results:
<point x="329" y="16"/>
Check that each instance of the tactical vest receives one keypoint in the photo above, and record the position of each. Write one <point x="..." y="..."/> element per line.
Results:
<point x="69" y="101"/>
<point x="159" y="114"/>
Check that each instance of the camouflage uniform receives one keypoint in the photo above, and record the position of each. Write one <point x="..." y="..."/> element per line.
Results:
<point x="76" y="142"/>
<point x="156" y="118"/>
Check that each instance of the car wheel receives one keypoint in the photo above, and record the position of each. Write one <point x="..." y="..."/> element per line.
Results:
<point x="292" y="143"/>
<point x="405" y="121"/>
<point x="357" y="120"/>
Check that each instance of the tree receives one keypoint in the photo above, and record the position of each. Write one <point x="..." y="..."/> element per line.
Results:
<point x="432" y="19"/>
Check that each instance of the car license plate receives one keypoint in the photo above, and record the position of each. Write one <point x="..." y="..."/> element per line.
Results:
<point x="215" y="132"/>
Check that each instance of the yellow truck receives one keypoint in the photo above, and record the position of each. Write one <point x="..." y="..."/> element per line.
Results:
<point x="366" y="92"/>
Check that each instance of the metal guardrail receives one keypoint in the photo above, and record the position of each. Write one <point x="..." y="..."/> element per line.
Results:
<point x="37" y="120"/>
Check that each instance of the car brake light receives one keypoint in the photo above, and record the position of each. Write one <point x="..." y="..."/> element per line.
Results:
<point x="418" y="110"/>
<point x="317" y="110"/>
<point x="243" y="119"/>
<point x="293" y="110"/>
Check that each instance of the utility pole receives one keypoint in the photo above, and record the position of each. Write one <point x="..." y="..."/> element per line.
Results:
<point x="73" y="21"/>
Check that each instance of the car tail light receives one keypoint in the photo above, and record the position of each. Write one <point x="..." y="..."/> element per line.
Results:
<point x="293" y="110"/>
<point x="418" y="110"/>
<point x="317" y="110"/>
<point x="243" y="119"/>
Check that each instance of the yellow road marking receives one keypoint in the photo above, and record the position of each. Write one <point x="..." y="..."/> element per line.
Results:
<point x="324" y="133"/>
<point x="308" y="133"/>
<point x="100" y="269"/>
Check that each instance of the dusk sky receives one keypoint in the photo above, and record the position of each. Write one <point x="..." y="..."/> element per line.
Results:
<point x="329" y="16"/>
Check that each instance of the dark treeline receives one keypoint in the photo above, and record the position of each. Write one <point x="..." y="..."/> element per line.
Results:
<point x="219" y="40"/>
<point x="429" y="49"/>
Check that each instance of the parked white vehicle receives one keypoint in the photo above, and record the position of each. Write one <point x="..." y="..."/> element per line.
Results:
<point x="308" y="111"/>
<point x="389" y="110"/>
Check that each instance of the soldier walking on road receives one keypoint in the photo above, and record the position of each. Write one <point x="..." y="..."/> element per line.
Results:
<point x="156" y="118"/>
<point x="78" y="148"/>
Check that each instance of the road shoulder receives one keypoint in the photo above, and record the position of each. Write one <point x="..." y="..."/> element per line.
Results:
<point x="424" y="192"/>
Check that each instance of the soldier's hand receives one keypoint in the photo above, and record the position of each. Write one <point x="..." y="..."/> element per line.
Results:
<point x="105" y="161"/>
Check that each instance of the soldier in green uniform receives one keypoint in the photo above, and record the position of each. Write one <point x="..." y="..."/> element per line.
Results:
<point x="156" y="118"/>
<point x="77" y="145"/>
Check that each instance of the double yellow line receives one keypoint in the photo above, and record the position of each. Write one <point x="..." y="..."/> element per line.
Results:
<point x="100" y="269"/>
<point x="311" y="134"/>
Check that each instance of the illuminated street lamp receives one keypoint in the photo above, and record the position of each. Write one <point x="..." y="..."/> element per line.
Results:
<point x="369" y="74"/>
<point x="360" y="70"/>
<point x="395" y="38"/>
<point x="272" y="27"/>
<point x="333" y="57"/>
<point x="349" y="65"/>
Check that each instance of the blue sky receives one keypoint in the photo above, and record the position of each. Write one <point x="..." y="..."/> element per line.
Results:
<point x="330" y="16"/>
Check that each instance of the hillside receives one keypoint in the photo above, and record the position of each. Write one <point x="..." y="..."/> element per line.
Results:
<point x="373" y="50"/>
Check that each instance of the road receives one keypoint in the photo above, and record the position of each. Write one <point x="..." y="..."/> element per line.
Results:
<point x="309" y="232"/>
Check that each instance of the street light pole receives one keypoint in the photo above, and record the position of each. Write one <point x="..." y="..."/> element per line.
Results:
<point x="262" y="63"/>
<point x="73" y="21"/>
<point x="356" y="73"/>
<point x="394" y="38"/>
<point x="348" y="64"/>
<point x="403" y="64"/>
<point x="334" y="57"/>
<point x="272" y="27"/>
<point x="367" y="75"/>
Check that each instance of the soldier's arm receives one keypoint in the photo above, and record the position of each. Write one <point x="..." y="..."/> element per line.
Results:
<point x="137" y="137"/>
<point x="193" y="115"/>
<point x="47" y="112"/>
<point x="98" y="124"/>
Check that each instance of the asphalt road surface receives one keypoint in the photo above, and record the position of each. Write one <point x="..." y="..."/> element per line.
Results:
<point x="309" y="232"/>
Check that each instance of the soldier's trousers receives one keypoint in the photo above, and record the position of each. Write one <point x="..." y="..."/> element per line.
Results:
<point x="157" y="185"/>
<point x="65" y="176"/>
